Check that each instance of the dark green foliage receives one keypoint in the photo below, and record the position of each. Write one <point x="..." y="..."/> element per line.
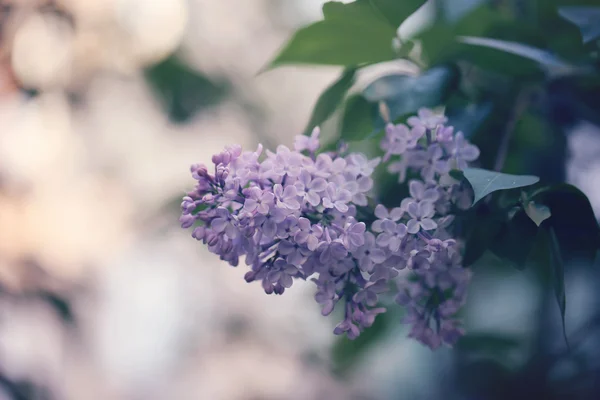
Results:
<point x="357" y="121"/>
<point x="182" y="91"/>
<point x="405" y="94"/>
<point x="330" y="99"/>
<point x="350" y="34"/>
<point x="515" y="239"/>
<point x="572" y="220"/>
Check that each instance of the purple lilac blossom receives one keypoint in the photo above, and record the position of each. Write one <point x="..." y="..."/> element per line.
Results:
<point x="296" y="214"/>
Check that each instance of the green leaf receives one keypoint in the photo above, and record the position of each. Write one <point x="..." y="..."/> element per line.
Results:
<point x="339" y="42"/>
<point x="549" y="256"/>
<point x="454" y="10"/>
<point x="391" y="12"/>
<point x="467" y="118"/>
<point x="515" y="240"/>
<point x="573" y="221"/>
<point x="394" y="11"/>
<point x="182" y="91"/>
<point x="553" y="65"/>
<point x="587" y="20"/>
<point x="330" y="99"/>
<point x="427" y="88"/>
<point x="484" y="226"/>
<point x="357" y="121"/>
<point x="485" y="182"/>
<point x="441" y="43"/>
<point x="405" y="94"/>
<point x="537" y="212"/>
<point x="558" y="269"/>
<point x="351" y="34"/>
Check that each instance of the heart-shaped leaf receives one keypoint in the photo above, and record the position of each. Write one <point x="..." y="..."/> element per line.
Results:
<point x="485" y="182"/>
<point x="537" y="212"/>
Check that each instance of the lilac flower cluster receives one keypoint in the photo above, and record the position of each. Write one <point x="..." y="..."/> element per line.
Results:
<point x="296" y="214"/>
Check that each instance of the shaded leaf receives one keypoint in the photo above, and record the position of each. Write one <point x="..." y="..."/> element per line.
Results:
<point x="515" y="240"/>
<point x="454" y="10"/>
<point x="572" y="220"/>
<point x="330" y="99"/>
<point x="469" y="117"/>
<point x="558" y="270"/>
<point x="548" y="259"/>
<point x="440" y="43"/>
<point x="357" y="121"/>
<point x="397" y="11"/>
<point x="392" y="12"/>
<point x="485" y="181"/>
<point x="405" y="94"/>
<point x="484" y="226"/>
<point x="183" y="91"/>
<point x="587" y="20"/>
<point x="553" y="65"/>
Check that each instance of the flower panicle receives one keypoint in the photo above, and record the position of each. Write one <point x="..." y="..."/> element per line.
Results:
<point x="292" y="214"/>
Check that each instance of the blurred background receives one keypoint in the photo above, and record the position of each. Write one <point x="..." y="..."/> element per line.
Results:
<point x="104" y="104"/>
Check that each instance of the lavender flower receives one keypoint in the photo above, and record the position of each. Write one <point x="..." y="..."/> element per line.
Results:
<point x="259" y="201"/>
<point x="421" y="217"/>
<point x="427" y="119"/>
<point x="463" y="152"/>
<point x="336" y="197"/>
<point x="296" y="214"/>
<point x="369" y="254"/>
<point x="392" y="236"/>
<point x="309" y="234"/>
<point x="310" y="143"/>
<point x="385" y="217"/>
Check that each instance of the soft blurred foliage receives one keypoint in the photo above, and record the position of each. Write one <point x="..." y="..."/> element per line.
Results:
<point x="104" y="104"/>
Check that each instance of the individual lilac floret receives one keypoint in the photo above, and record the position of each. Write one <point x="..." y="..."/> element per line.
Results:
<point x="369" y="254"/>
<point x="385" y="217"/>
<point x="463" y="152"/>
<point x="421" y="214"/>
<point x="392" y="236"/>
<point x="310" y="143"/>
<point x="427" y="119"/>
<point x="309" y="234"/>
<point x="399" y="138"/>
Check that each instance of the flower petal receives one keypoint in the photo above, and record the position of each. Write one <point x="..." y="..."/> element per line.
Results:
<point x="413" y="226"/>
<point x="428" y="224"/>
